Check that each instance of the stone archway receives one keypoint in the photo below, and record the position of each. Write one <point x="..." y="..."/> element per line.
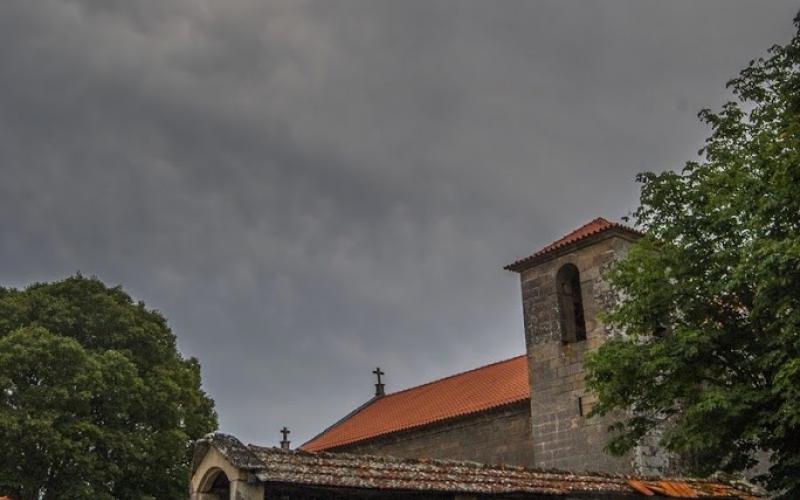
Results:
<point x="216" y="478"/>
<point x="214" y="486"/>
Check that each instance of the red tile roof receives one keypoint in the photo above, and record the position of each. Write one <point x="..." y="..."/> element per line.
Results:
<point x="597" y="226"/>
<point x="491" y="386"/>
<point x="292" y="470"/>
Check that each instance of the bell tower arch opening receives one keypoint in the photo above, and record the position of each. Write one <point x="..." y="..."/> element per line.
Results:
<point x="570" y="304"/>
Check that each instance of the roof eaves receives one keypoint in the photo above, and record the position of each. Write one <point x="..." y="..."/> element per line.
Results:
<point x="559" y="248"/>
<point x="340" y="421"/>
<point x="343" y="470"/>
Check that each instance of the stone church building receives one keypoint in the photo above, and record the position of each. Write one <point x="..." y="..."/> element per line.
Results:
<point x="518" y="417"/>
<point x="530" y="410"/>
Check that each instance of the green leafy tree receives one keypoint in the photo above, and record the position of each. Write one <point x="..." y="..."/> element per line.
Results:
<point x="95" y="401"/>
<point x="708" y="309"/>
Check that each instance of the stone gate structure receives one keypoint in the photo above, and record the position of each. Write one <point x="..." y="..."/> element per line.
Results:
<point x="224" y="468"/>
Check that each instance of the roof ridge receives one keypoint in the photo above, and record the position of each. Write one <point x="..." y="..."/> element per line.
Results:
<point x="592" y="228"/>
<point x="596" y="220"/>
<point x="586" y="475"/>
<point x="446" y="476"/>
<point x="613" y="223"/>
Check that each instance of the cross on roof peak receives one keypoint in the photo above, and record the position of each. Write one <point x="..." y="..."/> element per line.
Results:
<point x="380" y="385"/>
<point x="285" y="442"/>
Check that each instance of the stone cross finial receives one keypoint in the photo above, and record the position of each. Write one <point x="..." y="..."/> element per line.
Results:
<point x="379" y="386"/>
<point x="285" y="442"/>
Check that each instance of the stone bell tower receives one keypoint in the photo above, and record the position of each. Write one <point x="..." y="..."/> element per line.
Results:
<point x="563" y="290"/>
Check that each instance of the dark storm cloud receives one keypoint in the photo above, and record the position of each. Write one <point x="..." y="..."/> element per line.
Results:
<point x="308" y="189"/>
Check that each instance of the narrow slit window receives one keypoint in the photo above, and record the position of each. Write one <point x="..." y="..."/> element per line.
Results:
<point x="570" y="304"/>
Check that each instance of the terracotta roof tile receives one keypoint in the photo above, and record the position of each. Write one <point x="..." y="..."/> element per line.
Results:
<point x="473" y="391"/>
<point x="594" y="227"/>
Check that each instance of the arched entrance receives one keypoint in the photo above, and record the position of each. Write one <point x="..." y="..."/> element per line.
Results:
<point x="215" y="486"/>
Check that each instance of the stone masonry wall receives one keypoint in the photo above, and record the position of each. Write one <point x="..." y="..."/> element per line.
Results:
<point x="562" y="437"/>
<point x="499" y="436"/>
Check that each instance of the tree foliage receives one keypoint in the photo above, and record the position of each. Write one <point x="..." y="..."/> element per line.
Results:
<point x="95" y="401"/>
<point x="710" y="297"/>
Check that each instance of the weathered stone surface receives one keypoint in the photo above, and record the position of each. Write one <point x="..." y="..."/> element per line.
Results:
<point x="222" y="454"/>
<point x="562" y="437"/>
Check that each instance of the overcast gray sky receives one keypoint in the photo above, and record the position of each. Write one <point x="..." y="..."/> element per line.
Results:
<point x="310" y="189"/>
